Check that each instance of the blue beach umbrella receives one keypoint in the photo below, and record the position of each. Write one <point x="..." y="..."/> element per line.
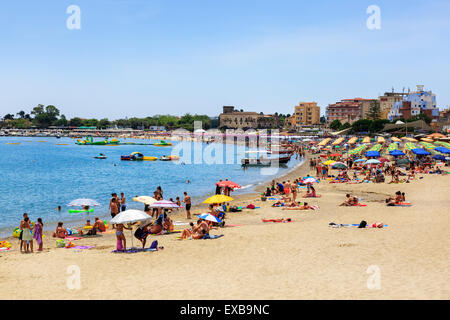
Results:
<point x="396" y="153"/>
<point x="209" y="217"/>
<point x="372" y="154"/>
<point x="439" y="157"/>
<point x="442" y="150"/>
<point x="420" y="152"/>
<point x="360" y="160"/>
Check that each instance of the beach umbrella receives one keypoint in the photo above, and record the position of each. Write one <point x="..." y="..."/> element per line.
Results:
<point x="372" y="161"/>
<point x="166" y="204"/>
<point x="420" y="151"/>
<point x="447" y="158"/>
<point x="83" y="203"/>
<point x="229" y="184"/>
<point x="310" y="180"/>
<point x="440" y="164"/>
<point x="339" y="165"/>
<point x="145" y="199"/>
<point x="442" y="149"/>
<point x="209" y="217"/>
<point x="372" y="154"/>
<point x="396" y="153"/>
<point x="383" y="159"/>
<point x="335" y="155"/>
<point x="327" y="163"/>
<point x="360" y="160"/>
<point x="130" y="216"/>
<point x="218" y="198"/>
<point x="439" y="157"/>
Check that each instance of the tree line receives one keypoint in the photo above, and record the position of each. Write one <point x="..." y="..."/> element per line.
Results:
<point x="43" y="117"/>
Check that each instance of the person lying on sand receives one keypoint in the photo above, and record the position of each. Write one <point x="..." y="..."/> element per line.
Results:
<point x="305" y="206"/>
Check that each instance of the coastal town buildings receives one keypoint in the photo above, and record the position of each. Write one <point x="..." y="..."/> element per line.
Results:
<point x="415" y="103"/>
<point x="348" y="110"/>
<point x="234" y="119"/>
<point x="306" y="114"/>
<point x="387" y="102"/>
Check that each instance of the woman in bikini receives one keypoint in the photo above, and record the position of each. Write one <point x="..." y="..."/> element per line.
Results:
<point x="27" y="235"/>
<point x="120" y="236"/>
<point x="60" y="231"/>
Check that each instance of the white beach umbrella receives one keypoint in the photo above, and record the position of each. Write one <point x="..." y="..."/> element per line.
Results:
<point x="209" y="217"/>
<point x="164" y="204"/>
<point x="372" y="161"/>
<point x="130" y="216"/>
<point x="83" y="203"/>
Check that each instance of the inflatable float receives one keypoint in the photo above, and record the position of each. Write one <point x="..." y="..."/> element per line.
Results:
<point x="90" y="141"/>
<point x="81" y="211"/>
<point x="169" y="158"/>
<point x="100" y="156"/>
<point x="162" y="143"/>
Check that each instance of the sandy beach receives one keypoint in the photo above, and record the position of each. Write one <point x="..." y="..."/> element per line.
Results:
<point x="304" y="259"/>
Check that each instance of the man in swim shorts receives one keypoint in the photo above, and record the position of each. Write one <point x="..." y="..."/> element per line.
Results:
<point x="187" y="201"/>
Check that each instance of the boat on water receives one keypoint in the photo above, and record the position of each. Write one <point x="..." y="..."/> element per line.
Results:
<point x="266" y="161"/>
<point x="100" y="156"/>
<point x="169" y="158"/>
<point x="162" y="143"/>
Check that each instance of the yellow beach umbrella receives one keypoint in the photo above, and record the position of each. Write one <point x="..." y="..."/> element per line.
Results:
<point x="218" y="198"/>
<point x="328" y="162"/>
<point x="396" y="139"/>
<point x="145" y="199"/>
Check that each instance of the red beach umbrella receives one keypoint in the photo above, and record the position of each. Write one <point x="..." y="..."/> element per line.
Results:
<point x="383" y="159"/>
<point x="229" y="184"/>
<point x="335" y="155"/>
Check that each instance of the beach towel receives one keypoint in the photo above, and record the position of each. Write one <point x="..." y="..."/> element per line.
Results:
<point x="81" y="247"/>
<point x="403" y="204"/>
<point x="72" y="238"/>
<point x="153" y="247"/>
<point x="352" y="225"/>
<point x="233" y="225"/>
<point x="276" y="220"/>
<point x="208" y="236"/>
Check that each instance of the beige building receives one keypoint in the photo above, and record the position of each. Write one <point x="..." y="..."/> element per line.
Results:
<point x="306" y="114"/>
<point x="387" y="102"/>
<point x="234" y="119"/>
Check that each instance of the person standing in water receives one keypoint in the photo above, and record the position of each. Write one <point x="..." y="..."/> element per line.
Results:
<point x="187" y="201"/>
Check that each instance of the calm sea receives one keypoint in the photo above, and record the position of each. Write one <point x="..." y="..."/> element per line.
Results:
<point x="38" y="175"/>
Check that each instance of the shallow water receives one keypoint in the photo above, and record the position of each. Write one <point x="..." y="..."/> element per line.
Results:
<point x="38" y="175"/>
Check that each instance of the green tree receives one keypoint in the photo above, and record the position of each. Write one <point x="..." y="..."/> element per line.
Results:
<point x="374" y="112"/>
<point x="335" y="125"/>
<point x="103" y="123"/>
<point x="377" y="125"/>
<point x="345" y="126"/>
<point x="75" y="122"/>
<point x="420" y="116"/>
<point x="362" y="125"/>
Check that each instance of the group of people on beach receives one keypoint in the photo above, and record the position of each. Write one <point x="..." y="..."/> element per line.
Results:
<point x="29" y="232"/>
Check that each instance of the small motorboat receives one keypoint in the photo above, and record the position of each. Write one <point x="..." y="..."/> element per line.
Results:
<point x="100" y="156"/>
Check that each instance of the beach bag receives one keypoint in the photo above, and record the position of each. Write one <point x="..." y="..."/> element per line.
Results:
<point x="362" y="224"/>
<point x="60" y="243"/>
<point x="251" y="206"/>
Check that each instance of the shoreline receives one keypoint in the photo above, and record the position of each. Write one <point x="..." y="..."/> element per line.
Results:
<point x="253" y="191"/>
<point x="305" y="259"/>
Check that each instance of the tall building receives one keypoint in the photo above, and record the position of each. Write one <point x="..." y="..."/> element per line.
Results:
<point x="235" y="119"/>
<point x="415" y="103"/>
<point x="306" y="114"/>
<point x="387" y="102"/>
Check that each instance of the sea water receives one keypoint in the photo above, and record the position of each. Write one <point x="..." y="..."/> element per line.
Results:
<point x="40" y="174"/>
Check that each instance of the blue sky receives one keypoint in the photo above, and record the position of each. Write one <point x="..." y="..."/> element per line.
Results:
<point x="145" y="57"/>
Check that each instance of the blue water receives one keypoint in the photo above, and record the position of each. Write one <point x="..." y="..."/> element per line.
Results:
<point x="38" y="175"/>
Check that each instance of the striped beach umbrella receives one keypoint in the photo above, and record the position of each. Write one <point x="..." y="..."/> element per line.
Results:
<point x="209" y="217"/>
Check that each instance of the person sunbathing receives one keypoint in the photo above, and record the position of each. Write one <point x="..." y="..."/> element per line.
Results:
<point x="60" y="232"/>
<point x="349" y="201"/>
<point x="99" y="225"/>
<point x="392" y="201"/>
<point x="187" y="233"/>
<point x="305" y="206"/>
